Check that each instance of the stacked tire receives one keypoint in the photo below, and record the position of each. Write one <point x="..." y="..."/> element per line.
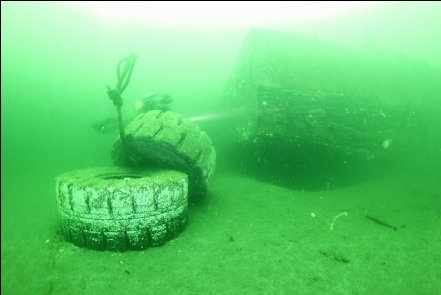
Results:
<point x="143" y="200"/>
<point x="165" y="138"/>
<point x="116" y="209"/>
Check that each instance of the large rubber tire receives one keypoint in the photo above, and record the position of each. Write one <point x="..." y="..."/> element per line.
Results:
<point x="116" y="208"/>
<point x="173" y="142"/>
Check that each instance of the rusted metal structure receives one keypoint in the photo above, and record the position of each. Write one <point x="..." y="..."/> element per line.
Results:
<point x="291" y="94"/>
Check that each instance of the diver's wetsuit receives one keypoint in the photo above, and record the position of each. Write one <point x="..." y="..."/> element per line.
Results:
<point x="152" y="101"/>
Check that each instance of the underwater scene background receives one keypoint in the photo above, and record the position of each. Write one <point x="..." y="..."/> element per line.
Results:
<point x="281" y="216"/>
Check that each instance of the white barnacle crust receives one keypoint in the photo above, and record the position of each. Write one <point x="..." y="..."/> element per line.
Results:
<point x="111" y="189"/>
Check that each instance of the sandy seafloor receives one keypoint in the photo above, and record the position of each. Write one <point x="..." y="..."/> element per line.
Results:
<point x="244" y="237"/>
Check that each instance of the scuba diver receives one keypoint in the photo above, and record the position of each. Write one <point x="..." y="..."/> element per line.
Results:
<point x="151" y="101"/>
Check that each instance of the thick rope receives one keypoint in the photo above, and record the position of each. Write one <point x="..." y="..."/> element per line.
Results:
<point x="115" y="96"/>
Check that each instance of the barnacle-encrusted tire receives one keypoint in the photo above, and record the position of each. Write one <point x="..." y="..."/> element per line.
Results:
<point x="173" y="142"/>
<point x="118" y="208"/>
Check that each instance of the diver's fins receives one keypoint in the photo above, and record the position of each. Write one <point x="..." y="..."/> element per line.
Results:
<point x="108" y="125"/>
